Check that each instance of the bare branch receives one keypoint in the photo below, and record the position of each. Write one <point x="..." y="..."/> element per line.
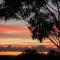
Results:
<point x="53" y="42"/>
<point x="55" y="39"/>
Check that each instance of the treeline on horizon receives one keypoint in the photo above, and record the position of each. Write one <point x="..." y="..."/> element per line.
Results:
<point x="31" y="54"/>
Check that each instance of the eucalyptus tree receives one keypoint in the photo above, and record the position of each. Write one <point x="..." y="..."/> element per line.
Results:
<point x="42" y="17"/>
<point x="46" y="22"/>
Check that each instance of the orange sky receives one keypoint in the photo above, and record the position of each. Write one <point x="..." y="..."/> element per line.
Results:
<point x="14" y="31"/>
<point x="18" y="35"/>
<point x="5" y="28"/>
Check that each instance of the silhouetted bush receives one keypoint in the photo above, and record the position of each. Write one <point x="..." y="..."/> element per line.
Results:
<point x="53" y="53"/>
<point x="28" y="54"/>
<point x="32" y="55"/>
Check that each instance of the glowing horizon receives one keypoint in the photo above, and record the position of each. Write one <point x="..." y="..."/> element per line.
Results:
<point x="19" y="35"/>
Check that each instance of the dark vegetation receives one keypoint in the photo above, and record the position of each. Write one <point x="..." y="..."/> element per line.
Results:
<point x="41" y="21"/>
<point x="32" y="54"/>
<point x="42" y="24"/>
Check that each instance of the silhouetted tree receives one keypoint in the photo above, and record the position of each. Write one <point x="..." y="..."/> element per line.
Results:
<point x="42" y="17"/>
<point x="46" y="22"/>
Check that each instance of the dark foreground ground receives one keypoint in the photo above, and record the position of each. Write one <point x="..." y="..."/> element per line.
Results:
<point x="33" y="55"/>
<point x="29" y="57"/>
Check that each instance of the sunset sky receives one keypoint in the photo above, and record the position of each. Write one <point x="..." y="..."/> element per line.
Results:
<point x="17" y="33"/>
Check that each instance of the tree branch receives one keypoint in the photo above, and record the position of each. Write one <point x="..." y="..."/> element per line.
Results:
<point x="55" y="39"/>
<point x="53" y="42"/>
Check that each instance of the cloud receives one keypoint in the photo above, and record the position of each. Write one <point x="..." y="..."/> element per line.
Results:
<point x="13" y="22"/>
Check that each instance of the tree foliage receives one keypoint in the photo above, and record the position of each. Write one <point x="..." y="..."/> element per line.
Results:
<point x="39" y="14"/>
